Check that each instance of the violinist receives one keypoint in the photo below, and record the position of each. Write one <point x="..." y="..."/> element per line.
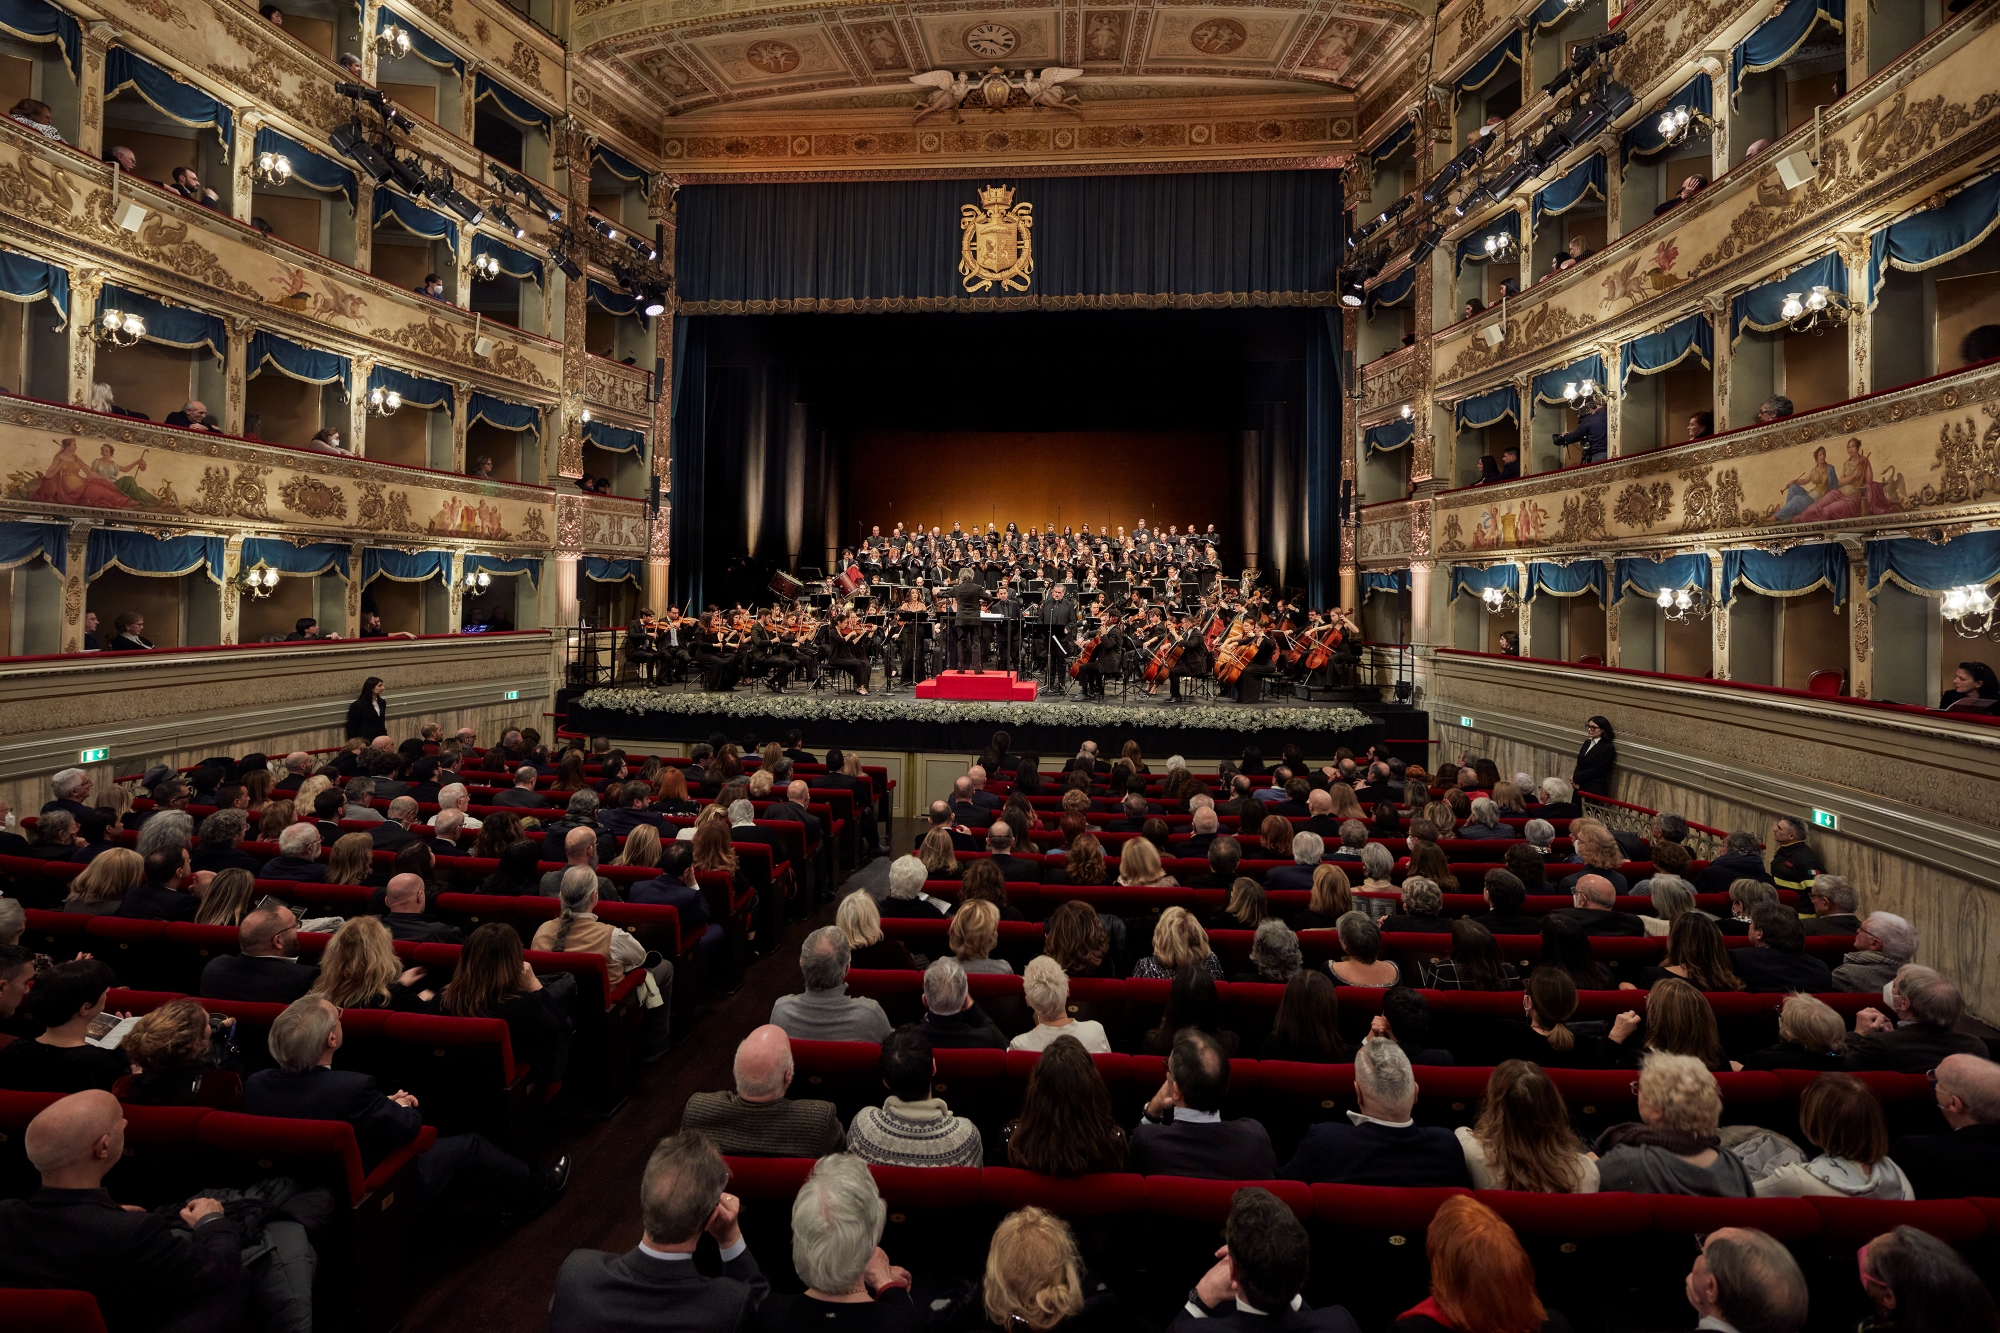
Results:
<point x="641" y="648"/>
<point x="767" y="655"/>
<point x="847" y="647"/>
<point x="716" y="651"/>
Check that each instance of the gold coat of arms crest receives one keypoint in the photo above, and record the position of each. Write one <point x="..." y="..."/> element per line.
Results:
<point x="996" y="246"/>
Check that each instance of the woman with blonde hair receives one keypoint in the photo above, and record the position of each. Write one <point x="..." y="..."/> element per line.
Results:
<point x="231" y="895"/>
<point x="1139" y="867"/>
<point x="1332" y="898"/>
<point x="309" y="791"/>
<point x="277" y="817"/>
<point x="1508" y="800"/>
<point x="174" y="1058"/>
<point x="1522" y="1140"/>
<point x="351" y="860"/>
<point x="939" y="856"/>
<point x="1346" y="805"/>
<point x="1035" y="1281"/>
<point x="1675" y="1146"/>
<point x="1084" y="863"/>
<point x="1046" y="988"/>
<point x="642" y="848"/>
<point x="1178" y="940"/>
<point x="974" y="935"/>
<point x="1248" y="906"/>
<point x="359" y="970"/>
<point x="1076" y="802"/>
<point x="1811" y="1035"/>
<point x="100" y="888"/>
<point x="861" y="922"/>
<point x="1599" y="852"/>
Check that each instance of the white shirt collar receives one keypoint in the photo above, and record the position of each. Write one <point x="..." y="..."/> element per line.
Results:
<point x="1186" y="1115"/>
<point x="1716" y="1322"/>
<point x="1247" y="1308"/>
<point x="1361" y="1119"/>
<point x="652" y="1253"/>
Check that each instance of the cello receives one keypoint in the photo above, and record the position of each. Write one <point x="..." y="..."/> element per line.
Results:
<point x="1167" y="655"/>
<point x="1082" y="659"/>
<point x="1238" y="649"/>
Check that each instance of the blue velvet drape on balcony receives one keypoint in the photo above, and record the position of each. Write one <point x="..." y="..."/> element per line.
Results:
<point x="1791" y="574"/>
<point x="599" y="570"/>
<point x="24" y="278"/>
<point x="1921" y="566"/>
<point x="286" y="558"/>
<point x="1472" y="579"/>
<point x="1646" y="577"/>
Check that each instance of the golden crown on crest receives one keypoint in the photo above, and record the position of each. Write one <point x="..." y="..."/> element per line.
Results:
<point x="997" y="196"/>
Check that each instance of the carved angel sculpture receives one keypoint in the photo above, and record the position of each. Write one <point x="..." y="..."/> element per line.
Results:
<point x="1046" y="88"/>
<point x="947" y="91"/>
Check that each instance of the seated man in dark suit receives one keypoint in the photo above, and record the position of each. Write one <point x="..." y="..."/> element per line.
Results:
<point x="1965" y="1162"/>
<point x="1776" y="961"/>
<point x="1747" y="1279"/>
<point x="1256" y="1282"/>
<point x="1594" y="912"/>
<point x="266" y="966"/>
<point x="405" y="900"/>
<point x="297" y="858"/>
<point x="71" y="1234"/>
<point x="1835" y="906"/>
<point x="792" y="807"/>
<point x="962" y="838"/>
<point x="1307" y="851"/>
<point x="631" y="811"/>
<point x="305" y="1086"/>
<point x="1505" y="896"/>
<point x="447" y="827"/>
<point x="1922" y="1031"/>
<point x="522" y="793"/>
<point x="1132" y="815"/>
<point x="1206" y="828"/>
<point x="1741" y="858"/>
<point x="981" y="797"/>
<point x="393" y="834"/>
<point x="965" y="810"/>
<point x="1319" y="805"/>
<point x="166" y="893"/>
<point x="222" y="835"/>
<point x="1224" y="855"/>
<point x="1013" y="869"/>
<point x="1183" y="1133"/>
<point x="951" y="1019"/>
<point x="656" y="1286"/>
<point x="1384" y="1145"/>
<point x="677" y="888"/>
<point x="1378" y="788"/>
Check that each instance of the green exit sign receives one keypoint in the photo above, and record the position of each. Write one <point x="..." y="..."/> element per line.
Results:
<point x="1826" y="819"/>
<point x="513" y="694"/>
<point x="1465" y="722"/>
<point x="98" y="756"/>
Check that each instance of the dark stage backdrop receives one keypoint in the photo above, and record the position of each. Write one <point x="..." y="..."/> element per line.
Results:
<point x="1108" y="479"/>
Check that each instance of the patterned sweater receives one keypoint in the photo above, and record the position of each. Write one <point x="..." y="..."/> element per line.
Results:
<point x="924" y="1133"/>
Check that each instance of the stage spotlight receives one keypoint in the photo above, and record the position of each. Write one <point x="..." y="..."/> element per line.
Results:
<point x="604" y="229"/>
<point x="351" y="142"/>
<point x="646" y="249"/>
<point x="501" y="216"/>
<point x="1504" y="184"/>
<point x="566" y="264"/>
<point x="1353" y="290"/>
<point x="652" y="302"/>
<point x="1427" y="243"/>
<point x="447" y="194"/>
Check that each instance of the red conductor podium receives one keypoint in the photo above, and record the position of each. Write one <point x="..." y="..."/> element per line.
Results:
<point x="993" y="686"/>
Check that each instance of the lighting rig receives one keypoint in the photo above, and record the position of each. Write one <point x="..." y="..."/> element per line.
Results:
<point x="1588" y="99"/>
<point x="579" y="240"/>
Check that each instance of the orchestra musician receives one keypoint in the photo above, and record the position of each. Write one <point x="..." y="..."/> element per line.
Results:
<point x="716" y="649"/>
<point x="641" y="647"/>
<point x="1107" y="657"/>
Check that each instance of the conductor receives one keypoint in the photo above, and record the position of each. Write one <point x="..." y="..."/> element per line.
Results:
<point x="965" y="627"/>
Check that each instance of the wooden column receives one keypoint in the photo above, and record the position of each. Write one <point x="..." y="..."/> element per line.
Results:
<point x="75" y="589"/>
<point x="371" y="12"/>
<point x="84" y="286"/>
<point x="1611" y="608"/>
<point x="1523" y="620"/>
<point x="236" y="375"/>
<point x="1860" y="622"/>
<point x="232" y="587"/>
<point x="1420" y="601"/>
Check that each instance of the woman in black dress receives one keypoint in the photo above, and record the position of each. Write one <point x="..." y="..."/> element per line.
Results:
<point x="1595" y="759"/>
<point x="368" y="715"/>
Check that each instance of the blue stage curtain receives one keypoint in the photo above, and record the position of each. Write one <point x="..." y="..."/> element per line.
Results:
<point x="312" y="559"/>
<point x="414" y="218"/>
<point x="422" y="45"/>
<point x="496" y="565"/>
<point x="1472" y="579"/>
<point x="1572" y="580"/>
<point x="34" y="21"/>
<point x="404" y="566"/>
<point x="1473" y="247"/>
<point x="624" y="168"/>
<point x="507" y="416"/>
<point x="1390" y="581"/>
<point x="509" y="103"/>
<point x="22" y="542"/>
<point x="1580" y="182"/>
<point x="1925" y="240"/>
<point x="686" y="432"/>
<point x="24" y="278"/>
<point x="160" y="557"/>
<point x="1933" y="570"/>
<point x="613" y="301"/>
<point x="1772" y="42"/>
<point x="1657" y="352"/>
<point x="1487" y="408"/>
<point x="613" y="439"/>
<point x="309" y="168"/>
<point x="1799" y="570"/>
<point x="300" y="363"/>
<point x="599" y="570"/>
<point x="416" y="390"/>
<point x="1389" y="436"/>
<point x="169" y="325"/>
<point x="179" y="102"/>
<point x="1761" y="308"/>
<point x="1488" y="67"/>
<point x="1169" y="240"/>
<point x="1395" y="291"/>
<point x="514" y="263"/>
<point x="1548" y="386"/>
<point x="1646" y="577"/>
<point x="1382" y="151"/>
<point x="1644" y="139"/>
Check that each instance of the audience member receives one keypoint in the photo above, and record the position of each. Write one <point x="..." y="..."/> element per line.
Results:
<point x="1045" y="987"/>
<point x="1674" y="1148"/>
<point x="265" y="966"/>
<point x="825" y="1011"/>
<point x="1260" y="1272"/>
<point x="298" y="857"/>
<point x="1522" y="1140"/>
<point x="951" y="1019"/>
<point x="1811" y="1035"/>
<point x="907" y="876"/>
<point x="912" y="1127"/>
<point x="1833" y="900"/>
<point x="66" y="999"/>
<point x="1918" y="1031"/>
<point x="861" y="922"/>
<point x="757" y="1119"/>
<point x="1183" y="1133"/>
<point x="175" y="1053"/>
<point x="1362" y="965"/>
<point x="1066" y="1126"/>
<point x="1383" y="1145"/>
<point x="837" y="1222"/>
<point x="1883" y="944"/>
<point x="1966" y="1160"/>
<point x="1916" y="1281"/>
<point x="1747" y="1281"/>
<point x="1482" y="1280"/>
<point x="1178" y="940"/>
<point x="1843" y="1119"/>
<point x="1776" y="961"/>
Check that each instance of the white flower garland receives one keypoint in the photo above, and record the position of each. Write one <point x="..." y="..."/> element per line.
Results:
<point x="854" y="708"/>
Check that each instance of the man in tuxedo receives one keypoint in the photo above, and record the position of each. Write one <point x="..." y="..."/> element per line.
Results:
<point x="266" y="966"/>
<point x="393" y="834"/>
<point x="1922" y="1032"/>
<point x="1746" y="1279"/>
<point x="1966" y="1162"/>
<point x="1013" y="869"/>
<point x="405" y="917"/>
<point x="1595" y="914"/>
<point x="656" y="1286"/>
<point x="305" y="1086"/>
<point x="1776" y="961"/>
<point x="522" y="793"/>
<point x="70" y="1234"/>
<point x="1182" y="1132"/>
<point x="1384" y="1145"/>
<point x="1258" y="1276"/>
<point x="965" y="626"/>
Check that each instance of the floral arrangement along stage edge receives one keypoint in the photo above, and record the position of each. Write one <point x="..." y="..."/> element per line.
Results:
<point x="852" y="708"/>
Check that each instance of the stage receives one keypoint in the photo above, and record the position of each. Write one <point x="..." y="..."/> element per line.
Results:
<point x="1206" y="730"/>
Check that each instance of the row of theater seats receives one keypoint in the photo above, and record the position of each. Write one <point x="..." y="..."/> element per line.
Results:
<point x="1039" y="899"/>
<point x="1460" y="1020"/>
<point x="1605" y="1261"/>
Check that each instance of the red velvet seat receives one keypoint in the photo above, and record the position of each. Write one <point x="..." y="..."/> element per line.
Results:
<point x="31" y="1311"/>
<point x="1009" y="1188"/>
<point x="846" y="1073"/>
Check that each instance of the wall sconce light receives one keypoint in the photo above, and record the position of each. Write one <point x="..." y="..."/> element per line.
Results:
<point x="1969" y="610"/>
<point x="1681" y="605"/>
<point x="120" y="329"/>
<point x="1499" y="601"/>
<point x="273" y="168"/>
<point x="1678" y="124"/>
<point x="259" y="582"/>
<point x="1407" y="413"/>
<point x="392" y="43"/>
<point x="383" y="402"/>
<point x="1815" y="311"/>
<point x="476" y="580"/>
<point x="485" y="267"/>
<point x="1499" y="245"/>
<point x="1583" y="395"/>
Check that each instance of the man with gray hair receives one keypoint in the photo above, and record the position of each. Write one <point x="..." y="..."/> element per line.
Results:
<point x="1747" y="1282"/>
<point x="1206" y="825"/>
<point x="221" y="842"/>
<point x="757" y="1119"/>
<point x="1926" y="1009"/>
<point x="1742" y="858"/>
<point x="297" y="765"/>
<point x="446" y="827"/>
<point x="1882" y="945"/>
<point x="522" y="794"/>
<point x="166" y="830"/>
<point x="454" y="796"/>
<point x="656" y="1284"/>
<point x="825" y="1011"/>
<point x="906" y="892"/>
<point x="1558" y="800"/>
<point x="360" y="791"/>
<point x="1383" y="1145"/>
<point x="1307" y="851"/>
<point x="393" y="834"/>
<point x="297" y="858"/>
<point x="951" y="1019"/>
<point x="1964" y="1163"/>
<point x="579" y="852"/>
<point x="72" y="793"/>
<point x="1833" y="899"/>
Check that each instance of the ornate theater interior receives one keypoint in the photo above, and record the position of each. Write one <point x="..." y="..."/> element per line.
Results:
<point x="620" y="409"/>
